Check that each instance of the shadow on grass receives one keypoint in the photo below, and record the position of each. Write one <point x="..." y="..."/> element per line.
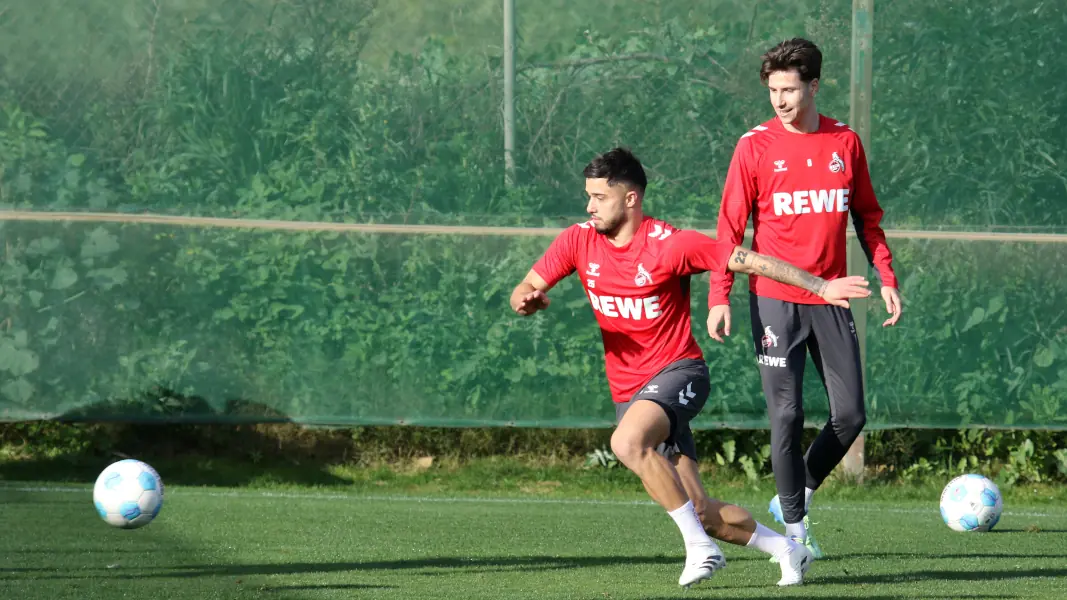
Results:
<point x="427" y="566"/>
<point x="432" y="566"/>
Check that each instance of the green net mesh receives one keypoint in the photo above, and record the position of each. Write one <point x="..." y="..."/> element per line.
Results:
<point x="352" y="111"/>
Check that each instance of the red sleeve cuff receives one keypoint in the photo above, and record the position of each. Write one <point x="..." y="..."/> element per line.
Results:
<point x="889" y="280"/>
<point x="718" y="299"/>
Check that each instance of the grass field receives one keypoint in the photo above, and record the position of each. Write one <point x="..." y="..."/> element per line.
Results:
<point x="304" y="542"/>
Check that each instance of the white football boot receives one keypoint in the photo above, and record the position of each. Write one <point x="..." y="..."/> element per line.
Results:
<point x="701" y="563"/>
<point x="795" y="563"/>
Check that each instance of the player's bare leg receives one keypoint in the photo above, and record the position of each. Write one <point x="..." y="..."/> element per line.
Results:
<point x="735" y="525"/>
<point x="727" y="522"/>
<point x="644" y="427"/>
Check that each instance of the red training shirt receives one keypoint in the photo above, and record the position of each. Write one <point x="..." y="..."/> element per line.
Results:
<point x="639" y="293"/>
<point x="800" y="189"/>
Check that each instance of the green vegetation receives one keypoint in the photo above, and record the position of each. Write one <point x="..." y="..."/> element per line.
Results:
<point x="341" y="110"/>
<point x="492" y="459"/>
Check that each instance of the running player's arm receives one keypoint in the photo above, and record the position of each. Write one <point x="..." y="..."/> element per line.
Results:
<point x="738" y="196"/>
<point x="694" y="252"/>
<point x="531" y="295"/>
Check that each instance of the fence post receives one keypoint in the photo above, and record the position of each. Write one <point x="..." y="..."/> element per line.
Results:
<point x="509" y="92"/>
<point x="860" y="121"/>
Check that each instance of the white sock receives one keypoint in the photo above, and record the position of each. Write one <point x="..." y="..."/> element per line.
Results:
<point x="796" y="530"/>
<point x="689" y="523"/>
<point x="808" y="493"/>
<point x="769" y="541"/>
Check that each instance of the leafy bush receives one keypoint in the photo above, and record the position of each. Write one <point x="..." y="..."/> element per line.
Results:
<point x="249" y="112"/>
<point x="893" y="456"/>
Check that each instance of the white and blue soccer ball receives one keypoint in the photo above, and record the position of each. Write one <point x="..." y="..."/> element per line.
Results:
<point x="971" y="503"/>
<point x="128" y="494"/>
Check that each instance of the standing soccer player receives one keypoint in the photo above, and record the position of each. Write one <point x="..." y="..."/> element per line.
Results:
<point x="801" y="175"/>
<point x="635" y="270"/>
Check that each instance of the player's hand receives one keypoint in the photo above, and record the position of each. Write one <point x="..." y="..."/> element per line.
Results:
<point x="838" y="291"/>
<point x="893" y="305"/>
<point x="719" y="322"/>
<point x="531" y="302"/>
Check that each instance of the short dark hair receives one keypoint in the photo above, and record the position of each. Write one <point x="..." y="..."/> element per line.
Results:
<point x="618" y="165"/>
<point x="797" y="53"/>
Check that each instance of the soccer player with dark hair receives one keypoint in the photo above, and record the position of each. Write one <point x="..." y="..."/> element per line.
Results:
<point x="635" y="270"/>
<point x="800" y="176"/>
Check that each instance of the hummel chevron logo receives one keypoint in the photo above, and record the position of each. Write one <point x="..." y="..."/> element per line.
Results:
<point x="660" y="233"/>
<point x="685" y="395"/>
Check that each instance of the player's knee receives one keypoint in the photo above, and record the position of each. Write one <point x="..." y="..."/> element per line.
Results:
<point x="786" y="420"/>
<point x="627" y="448"/>
<point x="849" y="424"/>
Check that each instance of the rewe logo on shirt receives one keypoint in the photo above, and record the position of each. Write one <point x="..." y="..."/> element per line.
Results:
<point x="627" y="308"/>
<point x="802" y="202"/>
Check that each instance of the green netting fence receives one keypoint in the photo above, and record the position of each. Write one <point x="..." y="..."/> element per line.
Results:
<point x="371" y="137"/>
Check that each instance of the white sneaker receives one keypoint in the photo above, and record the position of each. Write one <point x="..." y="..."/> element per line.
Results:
<point x="795" y="564"/>
<point x="700" y="564"/>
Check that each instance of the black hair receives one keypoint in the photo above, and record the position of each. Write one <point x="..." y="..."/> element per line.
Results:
<point x="618" y="165"/>
<point x="797" y="53"/>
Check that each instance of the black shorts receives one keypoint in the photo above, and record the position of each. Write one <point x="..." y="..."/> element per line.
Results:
<point x="681" y="388"/>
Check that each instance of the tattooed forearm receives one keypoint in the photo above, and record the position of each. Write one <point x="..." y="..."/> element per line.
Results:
<point x="783" y="272"/>
<point x="778" y="270"/>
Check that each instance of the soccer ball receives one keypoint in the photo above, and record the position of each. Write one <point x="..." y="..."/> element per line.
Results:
<point x="128" y="494"/>
<point x="971" y="503"/>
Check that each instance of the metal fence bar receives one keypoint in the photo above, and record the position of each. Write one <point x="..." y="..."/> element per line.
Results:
<point x="860" y="121"/>
<point x="509" y="92"/>
<point x="473" y="230"/>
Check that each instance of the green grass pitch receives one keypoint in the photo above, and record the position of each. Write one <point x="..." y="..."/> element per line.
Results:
<point x="308" y="544"/>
